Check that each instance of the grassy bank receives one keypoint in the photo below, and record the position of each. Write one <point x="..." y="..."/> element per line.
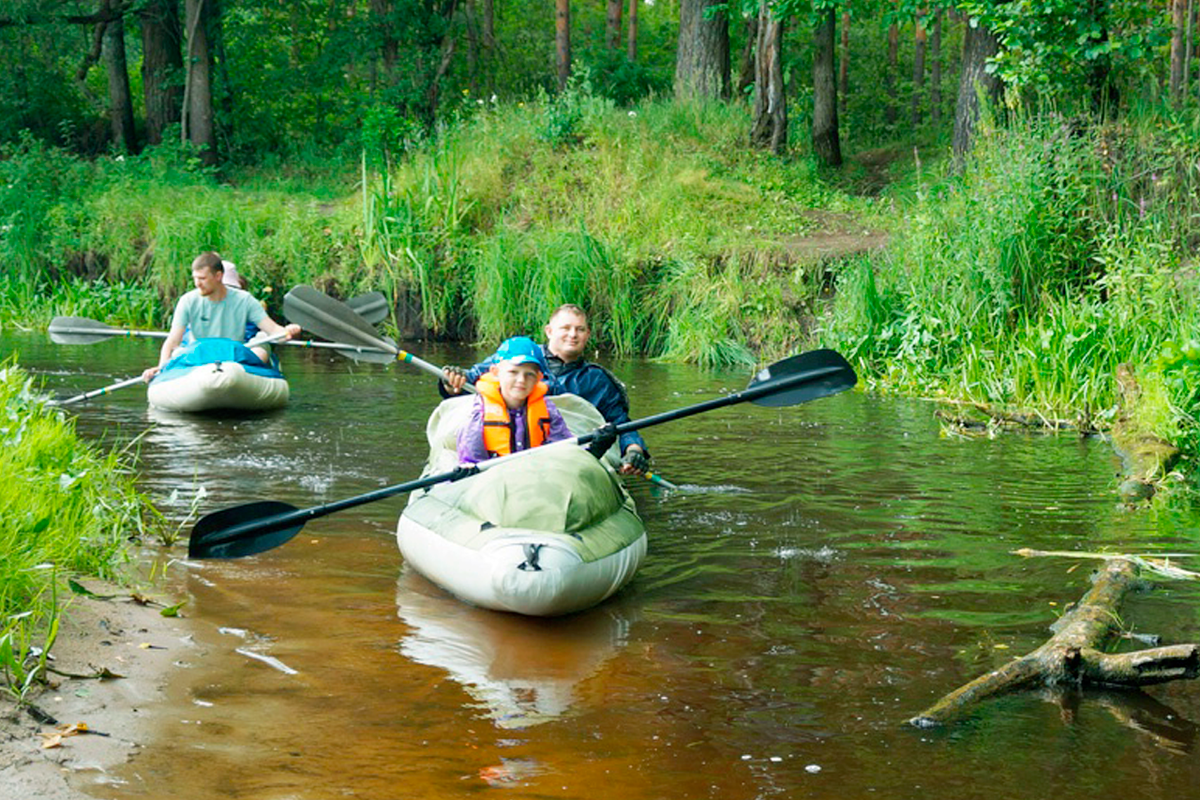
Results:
<point x="1064" y="249"/>
<point x="1061" y="253"/>
<point x="658" y="218"/>
<point x="66" y="510"/>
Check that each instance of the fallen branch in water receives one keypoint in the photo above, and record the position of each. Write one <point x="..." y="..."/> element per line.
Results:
<point x="1072" y="656"/>
<point x="996" y="418"/>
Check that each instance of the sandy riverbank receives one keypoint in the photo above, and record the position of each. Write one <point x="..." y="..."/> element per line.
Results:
<point x="118" y="635"/>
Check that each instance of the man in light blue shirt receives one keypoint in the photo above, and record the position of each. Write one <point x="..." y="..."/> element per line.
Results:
<point x="215" y="311"/>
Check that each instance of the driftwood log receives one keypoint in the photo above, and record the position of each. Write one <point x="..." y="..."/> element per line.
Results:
<point x="1072" y="657"/>
<point x="988" y="417"/>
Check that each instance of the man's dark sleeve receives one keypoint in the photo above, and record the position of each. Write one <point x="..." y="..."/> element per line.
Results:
<point x="610" y="401"/>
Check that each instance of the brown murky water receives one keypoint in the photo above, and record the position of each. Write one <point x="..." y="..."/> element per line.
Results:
<point x="826" y="572"/>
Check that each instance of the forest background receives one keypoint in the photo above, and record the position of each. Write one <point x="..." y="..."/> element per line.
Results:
<point x="982" y="201"/>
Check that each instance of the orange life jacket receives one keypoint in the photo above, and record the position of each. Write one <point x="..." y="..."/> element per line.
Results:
<point x="499" y="431"/>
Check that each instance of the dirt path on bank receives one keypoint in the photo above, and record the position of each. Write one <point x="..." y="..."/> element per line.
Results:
<point x="838" y="236"/>
<point x="120" y="636"/>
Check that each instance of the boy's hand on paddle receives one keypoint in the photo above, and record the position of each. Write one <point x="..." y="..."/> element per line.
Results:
<point x="455" y="378"/>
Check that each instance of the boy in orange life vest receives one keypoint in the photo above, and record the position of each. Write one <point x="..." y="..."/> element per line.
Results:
<point x="511" y="412"/>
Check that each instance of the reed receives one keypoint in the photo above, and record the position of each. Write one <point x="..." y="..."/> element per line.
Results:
<point x="1057" y="256"/>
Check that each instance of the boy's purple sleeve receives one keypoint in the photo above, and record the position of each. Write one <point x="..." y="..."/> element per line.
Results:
<point x="558" y="425"/>
<point x="470" y="437"/>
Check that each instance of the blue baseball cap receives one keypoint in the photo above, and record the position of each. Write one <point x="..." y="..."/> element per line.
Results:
<point x="521" y="350"/>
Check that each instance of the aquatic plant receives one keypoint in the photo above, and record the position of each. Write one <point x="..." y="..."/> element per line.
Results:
<point x="65" y="509"/>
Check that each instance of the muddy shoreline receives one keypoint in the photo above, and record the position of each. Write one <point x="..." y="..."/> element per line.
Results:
<point x="123" y="636"/>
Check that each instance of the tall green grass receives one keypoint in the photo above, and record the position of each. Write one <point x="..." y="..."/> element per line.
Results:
<point x="65" y="510"/>
<point x="1061" y="252"/>
<point x="139" y="221"/>
<point x="658" y="220"/>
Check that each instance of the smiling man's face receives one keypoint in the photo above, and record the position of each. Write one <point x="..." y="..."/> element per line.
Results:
<point x="567" y="335"/>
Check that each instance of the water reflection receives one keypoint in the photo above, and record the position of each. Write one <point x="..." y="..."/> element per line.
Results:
<point x="522" y="671"/>
<point x="1158" y="723"/>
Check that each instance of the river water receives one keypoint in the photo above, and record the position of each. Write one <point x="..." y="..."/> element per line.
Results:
<point x="825" y="572"/>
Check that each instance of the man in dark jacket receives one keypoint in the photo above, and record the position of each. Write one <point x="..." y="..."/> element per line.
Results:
<point x="567" y="335"/>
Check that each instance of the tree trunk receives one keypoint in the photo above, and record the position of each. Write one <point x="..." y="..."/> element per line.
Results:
<point x="746" y="72"/>
<point x="1105" y="96"/>
<point x="844" y="63"/>
<point x="562" y="41"/>
<point x="216" y="30"/>
<point x="489" y="25"/>
<point x="382" y="12"/>
<point x="612" y="24"/>
<point x="120" y="101"/>
<point x="889" y="74"/>
<point x="768" y="130"/>
<point x="1187" y="47"/>
<point x="702" y="56"/>
<point x="433" y="92"/>
<point x="978" y="46"/>
<point x="631" y="51"/>
<point x="487" y="42"/>
<point x="1073" y="656"/>
<point x="474" y="46"/>
<point x="198" y="109"/>
<point x="935" y="70"/>
<point x="91" y="58"/>
<point x="918" y="71"/>
<point x="162" y="66"/>
<point x="1178" y="24"/>
<point x="825" y="140"/>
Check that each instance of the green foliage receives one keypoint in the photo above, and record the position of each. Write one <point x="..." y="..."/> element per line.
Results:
<point x="74" y="229"/>
<point x="494" y="219"/>
<point x="1028" y="279"/>
<point x="1056" y="49"/>
<point x="1179" y="364"/>
<point x="37" y="92"/>
<point x="36" y="303"/>
<point x="65" y="509"/>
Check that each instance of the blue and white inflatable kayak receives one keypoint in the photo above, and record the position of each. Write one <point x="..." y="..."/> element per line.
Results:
<point x="217" y="374"/>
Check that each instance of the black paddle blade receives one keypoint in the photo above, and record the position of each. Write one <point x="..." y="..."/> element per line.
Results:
<point x="829" y="373"/>
<point x="244" y="530"/>
<point x="79" y="330"/>
<point x="330" y="319"/>
<point x="372" y="306"/>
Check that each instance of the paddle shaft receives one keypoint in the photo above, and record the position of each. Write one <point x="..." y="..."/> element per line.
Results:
<point x="749" y="394"/>
<point x="95" y="334"/>
<point x="409" y="358"/>
<point x="659" y="480"/>
<point x="98" y="392"/>
<point x="265" y="525"/>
